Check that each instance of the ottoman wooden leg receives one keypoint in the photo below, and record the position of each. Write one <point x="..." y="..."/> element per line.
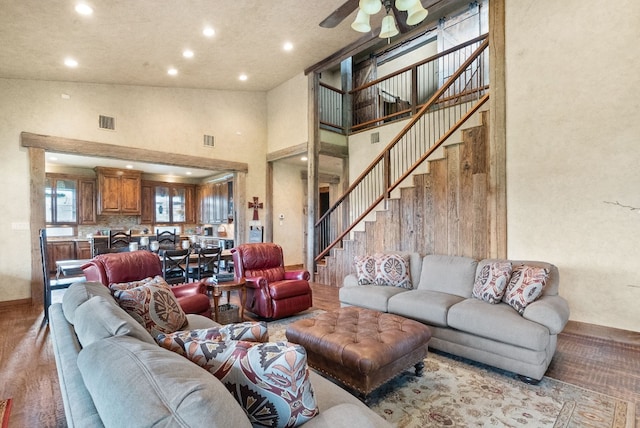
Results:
<point x="419" y="368"/>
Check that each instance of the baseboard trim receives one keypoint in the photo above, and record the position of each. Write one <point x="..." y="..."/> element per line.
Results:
<point x="11" y="303"/>
<point x="603" y="332"/>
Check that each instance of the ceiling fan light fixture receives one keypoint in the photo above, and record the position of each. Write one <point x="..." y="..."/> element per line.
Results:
<point x="361" y="23"/>
<point x="406" y="4"/>
<point x="416" y="14"/>
<point x="370" y="7"/>
<point x="388" y="28"/>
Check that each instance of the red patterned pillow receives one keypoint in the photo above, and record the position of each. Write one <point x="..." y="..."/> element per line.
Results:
<point x="365" y="269"/>
<point x="525" y="286"/>
<point x="491" y="282"/>
<point x="393" y="269"/>
<point x="153" y="305"/>
<point x="269" y="380"/>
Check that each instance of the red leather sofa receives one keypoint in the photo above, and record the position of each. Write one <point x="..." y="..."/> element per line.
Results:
<point x="272" y="292"/>
<point x="112" y="268"/>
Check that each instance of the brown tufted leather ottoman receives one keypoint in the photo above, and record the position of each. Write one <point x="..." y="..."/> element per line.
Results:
<point x="361" y="348"/>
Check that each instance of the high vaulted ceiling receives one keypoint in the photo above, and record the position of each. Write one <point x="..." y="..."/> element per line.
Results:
<point x="135" y="42"/>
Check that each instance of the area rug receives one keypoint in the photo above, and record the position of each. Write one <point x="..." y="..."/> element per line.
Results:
<point x="455" y="392"/>
<point x="5" y="410"/>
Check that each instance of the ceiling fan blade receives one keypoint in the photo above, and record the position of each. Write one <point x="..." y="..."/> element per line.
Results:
<point x="338" y="15"/>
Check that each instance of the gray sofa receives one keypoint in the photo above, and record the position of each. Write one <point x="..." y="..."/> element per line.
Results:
<point x="113" y="374"/>
<point x="493" y="334"/>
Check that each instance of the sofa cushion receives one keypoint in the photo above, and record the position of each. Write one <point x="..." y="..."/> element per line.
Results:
<point x="365" y="269"/>
<point x="78" y="293"/>
<point x="100" y="317"/>
<point x="369" y="296"/>
<point x="269" y="380"/>
<point x="134" y="383"/>
<point x="525" y="286"/>
<point x="491" y="281"/>
<point x="430" y="307"/>
<point x="248" y="331"/>
<point x="498" y="322"/>
<point x="448" y="274"/>
<point x="391" y="269"/>
<point x="153" y="305"/>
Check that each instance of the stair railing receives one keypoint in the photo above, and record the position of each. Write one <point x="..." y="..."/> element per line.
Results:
<point x="450" y="106"/>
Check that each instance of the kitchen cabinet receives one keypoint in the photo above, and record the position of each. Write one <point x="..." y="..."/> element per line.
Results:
<point x="119" y="191"/>
<point x="168" y="203"/>
<point x="215" y="202"/>
<point x="83" y="250"/>
<point x="86" y="201"/>
<point x="59" y="250"/>
<point x="147" y="193"/>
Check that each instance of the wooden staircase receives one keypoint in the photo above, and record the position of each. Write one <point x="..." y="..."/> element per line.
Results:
<point x="445" y="211"/>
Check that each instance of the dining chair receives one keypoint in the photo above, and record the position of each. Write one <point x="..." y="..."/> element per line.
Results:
<point x="175" y="264"/>
<point x="207" y="265"/>
<point x="167" y="239"/>
<point x="119" y="239"/>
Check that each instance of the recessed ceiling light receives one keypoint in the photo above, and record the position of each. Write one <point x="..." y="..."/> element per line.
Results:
<point x="70" y="62"/>
<point x="288" y="46"/>
<point x="188" y="172"/>
<point x="208" y="32"/>
<point x="243" y="77"/>
<point x="187" y="53"/>
<point x="53" y="158"/>
<point x="84" y="9"/>
<point x="172" y="72"/>
<point x="304" y="158"/>
<point x="129" y="166"/>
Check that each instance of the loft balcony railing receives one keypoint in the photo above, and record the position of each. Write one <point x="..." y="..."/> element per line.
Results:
<point x="331" y="111"/>
<point x="464" y="91"/>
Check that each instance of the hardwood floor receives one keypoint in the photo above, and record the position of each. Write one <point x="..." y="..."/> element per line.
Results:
<point x="593" y="357"/>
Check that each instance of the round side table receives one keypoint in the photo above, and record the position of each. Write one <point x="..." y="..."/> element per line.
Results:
<point x="217" y="289"/>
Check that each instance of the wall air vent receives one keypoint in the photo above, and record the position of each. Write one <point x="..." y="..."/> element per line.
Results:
<point x="209" y="140"/>
<point x="375" y="137"/>
<point x="107" y="122"/>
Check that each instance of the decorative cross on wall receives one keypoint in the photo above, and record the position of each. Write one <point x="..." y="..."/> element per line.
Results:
<point x="255" y="205"/>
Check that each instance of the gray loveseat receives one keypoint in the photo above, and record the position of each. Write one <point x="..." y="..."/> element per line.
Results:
<point x="493" y="334"/>
<point x="113" y="374"/>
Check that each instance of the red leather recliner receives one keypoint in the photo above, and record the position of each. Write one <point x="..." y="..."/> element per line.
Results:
<point x="112" y="268"/>
<point x="272" y="292"/>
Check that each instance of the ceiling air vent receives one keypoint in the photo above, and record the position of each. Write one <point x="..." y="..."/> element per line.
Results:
<point x="209" y="140"/>
<point x="375" y="137"/>
<point x="107" y="122"/>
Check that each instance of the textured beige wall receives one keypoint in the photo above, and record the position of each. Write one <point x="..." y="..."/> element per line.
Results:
<point x="289" y="233"/>
<point x="573" y="104"/>
<point x="163" y="119"/>
<point x="287" y="108"/>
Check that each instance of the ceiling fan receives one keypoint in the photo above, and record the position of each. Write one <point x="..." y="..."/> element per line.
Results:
<point x="403" y="13"/>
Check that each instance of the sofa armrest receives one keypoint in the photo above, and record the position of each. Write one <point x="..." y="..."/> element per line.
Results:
<point x="189" y="289"/>
<point x="350" y="281"/>
<point x="297" y="274"/>
<point x="550" y="311"/>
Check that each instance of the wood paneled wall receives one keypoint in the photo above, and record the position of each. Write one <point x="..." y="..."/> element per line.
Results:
<point x="446" y="211"/>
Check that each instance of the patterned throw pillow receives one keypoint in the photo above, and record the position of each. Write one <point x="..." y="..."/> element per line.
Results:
<point x="525" y="286"/>
<point x="133" y="284"/>
<point x="365" y="269"/>
<point x="247" y="331"/>
<point x="269" y="380"/>
<point x="492" y="281"/>
<point x="153" y="305"/>
<point x="393" y="269"/>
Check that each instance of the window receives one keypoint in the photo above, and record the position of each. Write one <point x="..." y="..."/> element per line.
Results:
<point x="61" y="200"/>
<point x="170" y="204"/>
